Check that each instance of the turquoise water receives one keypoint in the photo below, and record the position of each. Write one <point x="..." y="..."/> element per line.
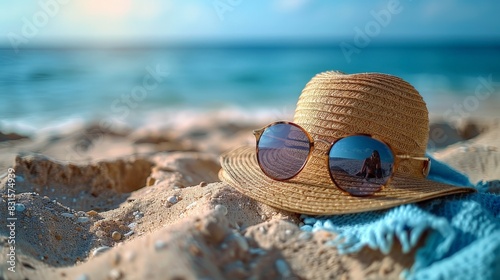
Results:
<point x="38" y="86"/>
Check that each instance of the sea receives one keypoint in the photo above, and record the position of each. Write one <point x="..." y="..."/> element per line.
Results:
<point x="53" y="86"/>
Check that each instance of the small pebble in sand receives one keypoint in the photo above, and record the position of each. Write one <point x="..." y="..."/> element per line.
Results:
<point x="92" y="213"/>
<point x="68" y="215"/>
<point x="132" y="225"/>
<point x="82" y="277"/>
<point x="123" y="227"/>
<point x="115" y="274"/>
<point x="100" y="250"/>
<point x="221" y="209"/>
<point x="172" y="199"/>
<point x="283" y="268"/>
<point x="20" y="207"/>
<point x="138" y="214"/>
<point x="83" y="220"/>
<point x="81" y="214"/>
<point x="203" y="184"/>
<point x="191" y="205"/>
<point x="288" y="231"/>
<point x="160" y="244"/>
<point x="116" y="235"/>
<point x="150" y="181"/>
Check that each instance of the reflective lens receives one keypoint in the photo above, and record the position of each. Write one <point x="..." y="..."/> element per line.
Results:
<point x="283" y="150"/>
<point x="360" y="165"/>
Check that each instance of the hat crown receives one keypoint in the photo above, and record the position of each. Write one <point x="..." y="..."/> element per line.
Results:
<point x="334" y="105"/>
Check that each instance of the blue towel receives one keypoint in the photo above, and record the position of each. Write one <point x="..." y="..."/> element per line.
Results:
<point x="463" y="240"/>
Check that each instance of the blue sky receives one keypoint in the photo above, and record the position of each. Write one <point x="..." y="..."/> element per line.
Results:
<point x="144" y="21"/>
<point x="360" y="147"/>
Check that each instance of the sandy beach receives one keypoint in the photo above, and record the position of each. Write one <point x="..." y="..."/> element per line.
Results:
<point x="116" y="118"/>
<point x="146" y="203"/>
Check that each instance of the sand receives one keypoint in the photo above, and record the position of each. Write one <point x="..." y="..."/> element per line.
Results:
<point x="146" y="203"/>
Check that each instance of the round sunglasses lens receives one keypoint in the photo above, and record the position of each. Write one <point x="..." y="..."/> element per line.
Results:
<point x="283" y="151"/>
<point x="360" y="165"/>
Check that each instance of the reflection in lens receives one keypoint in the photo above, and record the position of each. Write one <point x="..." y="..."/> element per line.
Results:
<point x="283" y="151"/>
<point x="360" y="165"/>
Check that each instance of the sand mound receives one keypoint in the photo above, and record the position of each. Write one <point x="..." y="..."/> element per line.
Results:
<point x="99" y="186"/>
<point x="206" y="247"/>
<point x="478" y="157"/>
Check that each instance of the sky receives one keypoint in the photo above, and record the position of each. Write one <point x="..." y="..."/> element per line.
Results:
<point x="27" y="22"/>
<point x="360" y="147"/>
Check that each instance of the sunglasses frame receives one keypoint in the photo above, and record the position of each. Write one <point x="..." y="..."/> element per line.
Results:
<point x="397" y="158"/>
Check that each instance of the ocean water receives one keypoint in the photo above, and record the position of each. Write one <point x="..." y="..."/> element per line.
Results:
<point x="41" y="87"/>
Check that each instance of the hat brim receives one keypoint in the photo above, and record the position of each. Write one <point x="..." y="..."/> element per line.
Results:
<point x="241" y="170"/>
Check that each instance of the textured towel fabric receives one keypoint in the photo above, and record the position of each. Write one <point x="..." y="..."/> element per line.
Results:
<point x="463" y="240"/>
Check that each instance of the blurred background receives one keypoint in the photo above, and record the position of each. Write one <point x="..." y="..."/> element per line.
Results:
<point x="74" y="61"/>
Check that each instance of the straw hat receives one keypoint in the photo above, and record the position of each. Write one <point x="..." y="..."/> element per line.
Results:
<point x="335" y="105"/>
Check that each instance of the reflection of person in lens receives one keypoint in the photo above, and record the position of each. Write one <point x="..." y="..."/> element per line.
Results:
<point x="372" y="167"/>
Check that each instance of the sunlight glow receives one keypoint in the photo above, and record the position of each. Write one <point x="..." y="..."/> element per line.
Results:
<point x="112" y="9"/>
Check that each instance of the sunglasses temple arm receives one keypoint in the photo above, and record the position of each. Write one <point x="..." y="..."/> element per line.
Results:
<point x="426" y="163"/>
<point x="411" y="157"/>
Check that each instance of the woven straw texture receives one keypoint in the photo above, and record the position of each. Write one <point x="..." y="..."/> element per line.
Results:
<point x="335" y="105"/>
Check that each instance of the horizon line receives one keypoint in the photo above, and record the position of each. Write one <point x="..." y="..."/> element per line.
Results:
<point x="457" y="43"/>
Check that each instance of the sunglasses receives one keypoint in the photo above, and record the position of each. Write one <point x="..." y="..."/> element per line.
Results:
<point x="358" y="164"/>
